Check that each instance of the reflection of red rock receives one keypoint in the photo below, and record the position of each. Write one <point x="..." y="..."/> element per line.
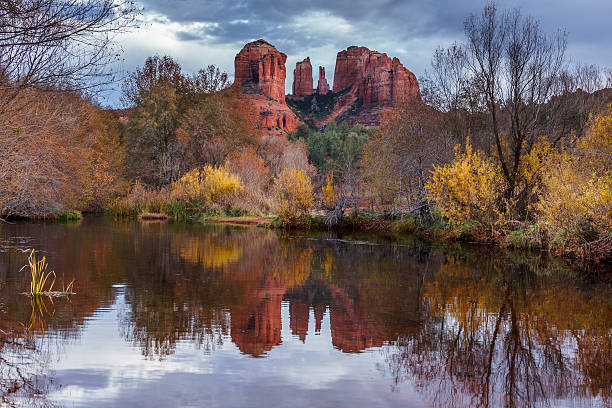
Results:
<point x="260" y="72"/>
<point x="256" y="324"/>
<point x="302" y="78"/>
<point x="351" y="329"/>
<point x="299" y="314"/>
<point x="319" y="311"/>
<point x="379" y="79"/>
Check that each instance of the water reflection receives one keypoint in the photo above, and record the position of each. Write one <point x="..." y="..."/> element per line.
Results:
<point x="437" y="326"/>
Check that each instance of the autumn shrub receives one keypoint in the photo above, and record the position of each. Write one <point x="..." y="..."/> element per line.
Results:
<point x="468" y="190"/>
<point x="572" y="196"/>
<point x="208" y="185"/>
<point x="250" y="167"/>
<point x="58" y="151"/>
<point x="293" y="194"/>
<point x="575" y="203"/>
<point x="138" y="200"/>
<point x="256" y="176"/>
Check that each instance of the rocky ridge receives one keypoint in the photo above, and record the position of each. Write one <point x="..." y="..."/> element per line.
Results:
<point x="366" y="85"/>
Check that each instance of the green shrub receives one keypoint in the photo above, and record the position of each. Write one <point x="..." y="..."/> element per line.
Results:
<point x="237" y="212"/>
<point x="407" y="225"/>
<point x="213" y="211"/>
<point x="525" y="238"/>
<point x="181" y="210"/>
<point x="70" y="215"/>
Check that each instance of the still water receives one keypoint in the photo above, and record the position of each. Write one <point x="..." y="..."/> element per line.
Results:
<point x="175" y="315"/>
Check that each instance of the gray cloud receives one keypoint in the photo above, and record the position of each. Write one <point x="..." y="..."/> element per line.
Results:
<point x="408" y="29"/>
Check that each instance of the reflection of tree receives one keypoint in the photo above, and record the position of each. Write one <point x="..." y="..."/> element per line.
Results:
<point x="467" y="329"/>
<point x="24" y="360"/>
<point x="496" y="334"/>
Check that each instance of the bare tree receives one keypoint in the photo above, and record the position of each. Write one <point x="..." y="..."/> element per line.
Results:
<point x="514" y="66"/>
<point x="51" y="44"/>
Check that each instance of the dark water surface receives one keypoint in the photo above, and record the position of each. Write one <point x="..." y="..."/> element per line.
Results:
<point x="171" y="315"/>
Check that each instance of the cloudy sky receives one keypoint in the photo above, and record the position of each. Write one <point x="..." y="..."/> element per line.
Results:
<point x="201" y="32"/>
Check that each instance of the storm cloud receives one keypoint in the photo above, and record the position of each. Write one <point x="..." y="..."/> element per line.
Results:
<point x="198" y="33"/>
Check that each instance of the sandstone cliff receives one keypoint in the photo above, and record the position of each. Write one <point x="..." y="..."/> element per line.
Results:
<point x="366" y="85"/>
<point x="264" y="66"/>
<point x="378" y="78"/>
<point x="260" y="72"/>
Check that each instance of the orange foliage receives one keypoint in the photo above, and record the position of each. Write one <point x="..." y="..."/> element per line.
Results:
<point x="250" y="167"/>
<point x="57" y="152"/>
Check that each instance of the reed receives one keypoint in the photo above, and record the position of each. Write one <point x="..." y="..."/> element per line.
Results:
<point x="40" y="276"/>
<point x="67" y="290"/>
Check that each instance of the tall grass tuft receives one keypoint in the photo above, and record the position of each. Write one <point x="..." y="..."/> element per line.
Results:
<point x="40" y="275"/>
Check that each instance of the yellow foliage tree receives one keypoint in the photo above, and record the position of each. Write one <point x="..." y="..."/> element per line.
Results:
<point x="329" y="191"/>
<point x="596" y="146"/>
<point x="294" y="194"/>
<point x="212" y="185"/>
<point x="577" y="186"/>
<point x="468" y="189"/>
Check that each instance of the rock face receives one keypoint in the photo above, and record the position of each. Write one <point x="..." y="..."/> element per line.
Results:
<point x="262" y="65"/>
<point x="377" y="78"/>
<point x="260" y="72"/>
<point x="302" y="78"/>
<point x="322" y="85"/>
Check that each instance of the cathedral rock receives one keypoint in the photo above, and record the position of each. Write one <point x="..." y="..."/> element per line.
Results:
<point x="262" y="65"/>
<point x="366" y="85"/>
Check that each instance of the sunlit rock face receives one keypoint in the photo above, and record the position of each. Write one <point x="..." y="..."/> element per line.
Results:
<point x="260" y="72"/>
<point x="264" y="67"/>
<point x="378" y="78"/>
<point x="302" y="78"/>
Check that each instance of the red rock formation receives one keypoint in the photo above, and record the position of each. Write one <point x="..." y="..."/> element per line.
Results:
<point x="350" y="67"/>
<point x="274" y="114"/>
<point x="264" y="66"/>
<point x="302" y="78"/>
<point x="322" y="85"/>
<point x="378" y="78"/>
<point x="260" y="67"/>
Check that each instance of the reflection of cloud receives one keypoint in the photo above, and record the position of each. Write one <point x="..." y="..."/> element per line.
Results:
<point x="111" y="366"/>
<point x="103" y="370"/>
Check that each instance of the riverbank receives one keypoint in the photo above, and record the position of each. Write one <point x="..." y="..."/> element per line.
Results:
<point x="245" y="220"/>
<point x="513" y="235"/>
